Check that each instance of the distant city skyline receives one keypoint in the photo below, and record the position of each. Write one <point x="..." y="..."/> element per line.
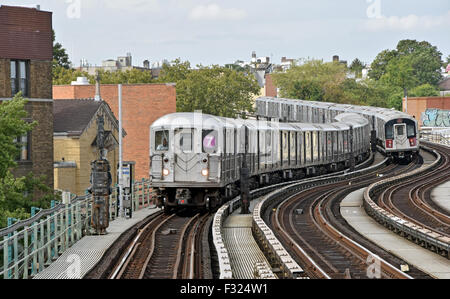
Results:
<point x="221" y="32"/>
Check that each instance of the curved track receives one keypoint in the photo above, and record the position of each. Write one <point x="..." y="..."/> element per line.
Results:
<point x="411" y="200"/>
<point x="324" y="244"/>
<point x="168" y="247"/>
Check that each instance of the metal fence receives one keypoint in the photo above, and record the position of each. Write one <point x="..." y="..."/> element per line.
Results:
<point x="436" y="136"/>
<point x="31" y="245"/>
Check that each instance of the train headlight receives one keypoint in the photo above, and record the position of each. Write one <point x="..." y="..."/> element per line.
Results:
<point x="166" y="172"/>
<point x="205" y="172"/>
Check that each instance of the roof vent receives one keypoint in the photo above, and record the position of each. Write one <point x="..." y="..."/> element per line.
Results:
<point x="80" y="81"/>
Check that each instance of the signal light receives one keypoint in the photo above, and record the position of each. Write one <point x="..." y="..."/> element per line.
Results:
<point x="412" y="141"/>
<point x="205" y="172"/>
<point x="166" y="172"/>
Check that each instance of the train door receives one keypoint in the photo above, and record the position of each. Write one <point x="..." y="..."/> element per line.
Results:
<point x="400" y="137"/>
<point x="184" y="155"/>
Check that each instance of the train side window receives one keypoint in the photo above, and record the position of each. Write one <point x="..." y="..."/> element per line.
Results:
<point x="210" y="141"/>
<point x="162" y="140"/>
<point x="389" y="131"/>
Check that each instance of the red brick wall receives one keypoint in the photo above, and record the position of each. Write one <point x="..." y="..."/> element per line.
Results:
<point x="142" y="104"/>
<point x="271" y="89"/>
<point x="25" y="33"/>
<point x="416" y="106"/>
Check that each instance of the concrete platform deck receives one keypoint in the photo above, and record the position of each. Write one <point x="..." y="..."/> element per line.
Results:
<point x="352" y="210"/>
<point x="78" y="260"/>
<point x="441" y="196"/>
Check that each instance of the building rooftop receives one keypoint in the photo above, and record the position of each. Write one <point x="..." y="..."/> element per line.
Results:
<point x="445" y="84"/>
<point x="73" y="116"/>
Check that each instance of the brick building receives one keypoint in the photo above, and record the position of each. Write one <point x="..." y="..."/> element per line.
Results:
<point x="75" y="142"/>
<point x="26" y="53"/>
<point x="418" y="106"/>
<point x="142" y="104"/>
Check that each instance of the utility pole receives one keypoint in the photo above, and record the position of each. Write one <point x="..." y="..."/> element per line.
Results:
<point x="120" y="183"/>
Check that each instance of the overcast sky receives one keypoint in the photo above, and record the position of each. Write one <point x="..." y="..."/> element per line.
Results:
<point x="219" y="31"/>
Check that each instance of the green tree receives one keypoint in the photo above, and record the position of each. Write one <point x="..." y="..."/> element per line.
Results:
<point x="314" y="80"/>
<point x="357" y="66"/>
<point x="447" y="61"/>
<point x="63" y="76"/>
<point x="60" y="57"/>
<point x="426" y="61"/>
<point x="174" y="72"/>
<point x="12" y="126"/>
<point x="307" y="89"/>
<point x="379" y="65"/>
<point x="215" y="90"/>
<point x="16" y="193"/>
<point x="133" y="76"/>
<point x="400" y="73"/>
<point x="425" y="90"/>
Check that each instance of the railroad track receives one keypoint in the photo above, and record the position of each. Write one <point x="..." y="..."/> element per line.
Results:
<point x="308" y="224"/>
<point x="168" y="247"/>
<point x="411" y="200"/>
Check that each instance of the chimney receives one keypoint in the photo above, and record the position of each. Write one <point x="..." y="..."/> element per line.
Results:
<point x="97" y="87"/>
<point x="335" y="58"/>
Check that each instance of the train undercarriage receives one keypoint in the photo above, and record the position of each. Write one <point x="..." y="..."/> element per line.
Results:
<point x="173" y="199"/>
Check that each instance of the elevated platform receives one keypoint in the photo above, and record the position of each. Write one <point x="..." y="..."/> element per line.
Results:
<point x="441" y="196"/>
<point x="353" y="211"/>
<point x="78" y="260"/>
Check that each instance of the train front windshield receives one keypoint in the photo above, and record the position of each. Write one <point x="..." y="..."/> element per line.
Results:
<point x="410" y="128"/>
<point x="162" y="140"/>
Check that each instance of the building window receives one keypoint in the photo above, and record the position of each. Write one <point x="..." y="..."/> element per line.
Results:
<point x="19" y="77"/>
<point x="23" y="146"/>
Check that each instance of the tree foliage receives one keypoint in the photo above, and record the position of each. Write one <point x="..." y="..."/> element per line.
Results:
<point x="215" y="90"/>
<point x="134" y="76"/>
<point x="400" y="73"/>
<point x="63" y="76"/>
<point x="357" y="66"/>
<point x="175" y="72"/>
<point x="16" y="194"/>
<point x="60" y="57"/>
<point x="424" y="59"/>
<point x="425" y="90"/>
<point x="314" y="80"/>
<point x="12" y="126"/>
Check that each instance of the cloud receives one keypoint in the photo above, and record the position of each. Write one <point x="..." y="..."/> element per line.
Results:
<point x="212" y="12"/>
<point x="407" y="23"/>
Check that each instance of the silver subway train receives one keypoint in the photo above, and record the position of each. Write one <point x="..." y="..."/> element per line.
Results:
<point x="396" y="133"/>
<point x="196" y="159"/>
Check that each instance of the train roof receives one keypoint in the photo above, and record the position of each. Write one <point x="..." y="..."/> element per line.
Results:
<point x="382" y="113"/>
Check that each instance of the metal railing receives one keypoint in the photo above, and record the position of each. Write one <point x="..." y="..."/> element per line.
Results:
<point x="31" y="245"/>
<point x="436" y="136"/>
